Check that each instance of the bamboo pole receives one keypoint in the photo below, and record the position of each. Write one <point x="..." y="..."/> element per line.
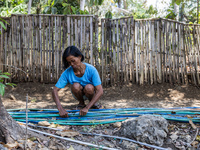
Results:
<point x="159" y="52"/>
<point x="118" y="49"/>
<point x="132" y="49"/>
<point x="142" y="54"/>
<point x="102" y="51"/>
<point x="136" y="51"/>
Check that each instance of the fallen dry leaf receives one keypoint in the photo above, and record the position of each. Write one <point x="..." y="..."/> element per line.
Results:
<point x="52" y="125"/>
<point x="60" y="127"/>
<point x="198" y="138"/>
<point x="192" y="124"/>
<point x="188" y="116"/>
<point x="12" y="145"/>
<point x="195" y="144"/>
<point x="174" y="136"/>
<point x="44" y="123"/>
<point x="71" y="148"/>
<point x="68" y="133"/>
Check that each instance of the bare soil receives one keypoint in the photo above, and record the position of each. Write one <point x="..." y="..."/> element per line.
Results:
<point x="159" y="95"/>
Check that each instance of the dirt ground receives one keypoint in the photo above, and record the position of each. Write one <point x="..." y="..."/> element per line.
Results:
<point x="159" y="95"/>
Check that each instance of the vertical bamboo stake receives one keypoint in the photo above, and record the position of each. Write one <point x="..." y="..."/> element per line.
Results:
<point x="9" y="49"/>
<point x="76" y="32"/>
<point x="173" y="50"/>
<point x="37" y="50"/>
<point x="81" y="34"/>
<point x="163" y="42"/>
<point x="5" y="60"/>
<point x="114" y="51"/>
<point x="159" y="57"/>
<point x="110" y="52"/>
<point x="145" y="51"/>
<point x="29" y="44"/>
<point x="106" y="53"/>
<point x="72" y="31"/>
<point x="170" y="54"/>
<point x="197" y="54"/>
<point x="23" y="50"/>
<point x="47" y="50"/>
<point x="142" y="54"/>
<point x="91" y="41"/>
<point x="84" y="36"/>
<point x="132" y="48"/>
<point x="68" y="31"/>
<point x="118" y="47"/>
<point x="53" y="50"/>
<point x="152" y="61"/>
<point x="102" y="51"/>
<point x="43" y="51"/>
<point x="136" y="51"/>
<point x="178" y="52"/>
<point x="96" y="45"/>
<point x="155" y="56"/>
<point x="50" y="48"/>
<point x="87" y="56"/>
<point x="128" y="52"/>
<point x="186" y="57"/>
<point x="151" y="53"/>
<point x="40" y="71"/>
<point x="194" y="55"/>
<point x="61" y="46"/>
<point x="191" y="58"/>
<point x="181" y="52"/>
<point x="121" y="53"/>
<point x="56" y="47"/>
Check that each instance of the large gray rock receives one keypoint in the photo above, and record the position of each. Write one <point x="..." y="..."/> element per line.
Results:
<point x="147" y="128"/>
<point x="2" y="147"/>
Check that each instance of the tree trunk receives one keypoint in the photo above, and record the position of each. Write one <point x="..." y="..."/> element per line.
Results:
<point x="125" y="4"/>
<point x="82" y="5"/>
<point x="29" y="6"/>
<point x="176" y="11"/>
<point x="10" y="130"/>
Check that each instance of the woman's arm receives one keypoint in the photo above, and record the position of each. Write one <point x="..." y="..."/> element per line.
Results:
<point x="95" y="98"/>
<point x="61" y="110"/>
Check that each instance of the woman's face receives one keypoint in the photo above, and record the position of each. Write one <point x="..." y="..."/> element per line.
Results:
<point x="73" y="61"/>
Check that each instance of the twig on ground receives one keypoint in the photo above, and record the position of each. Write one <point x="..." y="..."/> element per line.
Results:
<point x="26" y="121"/>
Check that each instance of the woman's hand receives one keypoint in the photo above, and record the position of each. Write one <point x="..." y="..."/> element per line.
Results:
<point x="83" y="111"/>
<point x="63" y="113"/>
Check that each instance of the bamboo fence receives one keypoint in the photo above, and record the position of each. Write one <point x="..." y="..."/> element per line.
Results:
<point x="123" y="50"/>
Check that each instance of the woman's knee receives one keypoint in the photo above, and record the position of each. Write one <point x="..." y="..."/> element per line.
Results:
<point x="76" y="88"/>
<point x="89" y="89"/>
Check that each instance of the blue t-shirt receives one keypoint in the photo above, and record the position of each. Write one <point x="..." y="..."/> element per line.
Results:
<point x="91" y="76"/>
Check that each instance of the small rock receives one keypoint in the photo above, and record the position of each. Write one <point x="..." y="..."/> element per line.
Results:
<point x="188" y="138"/>
<point x="117" y="124"/>
<point x="129" y="145"/>
<point x="2" y="147"/>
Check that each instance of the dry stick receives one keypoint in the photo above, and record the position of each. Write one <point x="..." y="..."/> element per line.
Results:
<point x="197" y="131"/>
<point x="26" y="121"/>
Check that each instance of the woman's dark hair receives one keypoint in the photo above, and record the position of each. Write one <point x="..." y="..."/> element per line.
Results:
<point x="73" y="51"/>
